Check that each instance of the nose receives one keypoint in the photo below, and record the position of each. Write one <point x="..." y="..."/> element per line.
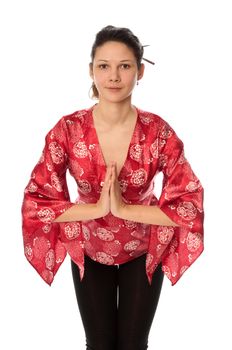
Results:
<point x="114" y="75"/>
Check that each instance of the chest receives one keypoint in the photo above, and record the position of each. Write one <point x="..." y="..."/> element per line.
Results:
<point x="115" y="144"/>
<point x="132" y="148"/>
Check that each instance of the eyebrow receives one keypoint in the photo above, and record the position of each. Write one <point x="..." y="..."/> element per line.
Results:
<point x="120" y="61"/>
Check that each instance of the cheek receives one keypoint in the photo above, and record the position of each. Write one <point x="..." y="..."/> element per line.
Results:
<point x="99" y="79"/>
<point x="131" y="78"/>
<point x="131" y="81"/>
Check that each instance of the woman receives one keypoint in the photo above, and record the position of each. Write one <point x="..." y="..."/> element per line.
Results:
<point x="117" y="233"/>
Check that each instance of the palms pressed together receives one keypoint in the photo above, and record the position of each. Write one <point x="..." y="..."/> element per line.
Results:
<point x="111" y="197"/>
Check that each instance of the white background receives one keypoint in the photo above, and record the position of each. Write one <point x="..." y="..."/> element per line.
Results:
<point x="45" y="51"/>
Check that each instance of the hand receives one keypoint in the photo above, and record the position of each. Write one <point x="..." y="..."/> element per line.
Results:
<point x="103" y="204"/>
<point x="116" y="202"/>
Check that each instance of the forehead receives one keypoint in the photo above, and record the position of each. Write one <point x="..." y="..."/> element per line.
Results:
<point x="113" y="50"/>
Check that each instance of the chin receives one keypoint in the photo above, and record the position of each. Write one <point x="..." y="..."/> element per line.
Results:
<point x="115" y="99"/>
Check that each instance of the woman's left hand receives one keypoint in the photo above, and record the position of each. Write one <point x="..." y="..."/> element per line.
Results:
<point x="116" y="202"/>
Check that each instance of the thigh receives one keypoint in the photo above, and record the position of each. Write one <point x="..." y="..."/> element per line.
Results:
<point x="97" y="301"/>
<point x="137" y="303"/>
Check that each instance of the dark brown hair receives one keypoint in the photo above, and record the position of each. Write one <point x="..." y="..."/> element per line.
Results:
<point x="119" y="34"/>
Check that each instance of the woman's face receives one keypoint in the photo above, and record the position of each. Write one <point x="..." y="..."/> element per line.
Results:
<point x="115" y="71"/>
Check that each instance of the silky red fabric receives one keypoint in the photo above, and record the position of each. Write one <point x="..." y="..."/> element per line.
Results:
<point x="73" y="145"/>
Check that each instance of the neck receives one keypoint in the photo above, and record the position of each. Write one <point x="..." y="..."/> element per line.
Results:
<point x="114" y="113"/>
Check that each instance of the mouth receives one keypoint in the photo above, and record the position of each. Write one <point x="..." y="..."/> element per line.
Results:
<point x="113" y="88"/>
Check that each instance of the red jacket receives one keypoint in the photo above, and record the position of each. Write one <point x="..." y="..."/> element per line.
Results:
<point x="154" y="147"/>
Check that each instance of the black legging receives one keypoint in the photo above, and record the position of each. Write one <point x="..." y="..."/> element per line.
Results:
<point x="108" y="326"/>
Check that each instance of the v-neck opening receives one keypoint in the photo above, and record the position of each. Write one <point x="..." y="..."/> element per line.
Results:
<point x="99" y="145"/>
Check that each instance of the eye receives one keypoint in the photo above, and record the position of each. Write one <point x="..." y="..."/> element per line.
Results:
<point x="125" y="66"/>
<point x="103" y="66"/>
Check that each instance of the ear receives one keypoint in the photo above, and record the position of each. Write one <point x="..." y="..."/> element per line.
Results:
<point x="91" y="70"/>
<point x="141" y="71"/>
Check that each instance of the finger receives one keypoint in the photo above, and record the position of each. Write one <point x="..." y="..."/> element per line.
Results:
<point x="108" y="174"/>
<point x="107" y="185"/>
<point x="115" y="168"/>
<point x="107" y="181"/>
<point x="112" y="176"/>
<point x="113" y="182"/>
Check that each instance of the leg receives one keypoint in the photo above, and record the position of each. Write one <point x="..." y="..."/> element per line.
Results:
<point x="137" y="303"/>
<point x="97" y="301"/>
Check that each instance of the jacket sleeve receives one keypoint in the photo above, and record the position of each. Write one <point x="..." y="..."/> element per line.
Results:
<point x="182" y="200"/>
<point x="45" y="198"/>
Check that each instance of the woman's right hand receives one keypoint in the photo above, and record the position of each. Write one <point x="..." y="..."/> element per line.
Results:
<point x="103" y="204"/>
<point x="91" y="211"/>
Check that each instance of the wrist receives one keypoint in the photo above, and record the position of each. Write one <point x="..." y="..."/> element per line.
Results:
<point x="123" y="211"/>
<point x="130" y="212"/>
<point x="100" y="211"/>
